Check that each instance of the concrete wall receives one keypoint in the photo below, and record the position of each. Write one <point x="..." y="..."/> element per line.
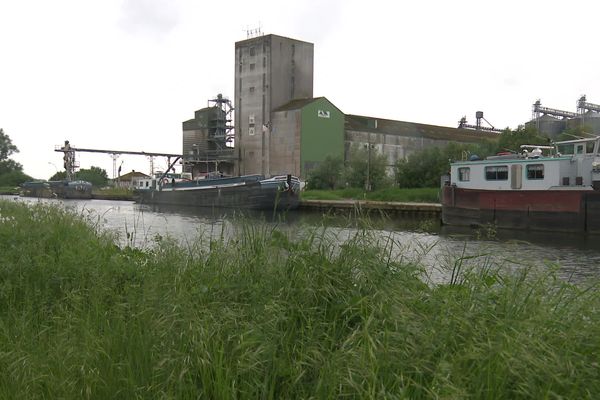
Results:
<point x="285" y="142"/>
<point x="394" y="147"/>
<point x="251" y="65"/>
<point x="291" y="70"/>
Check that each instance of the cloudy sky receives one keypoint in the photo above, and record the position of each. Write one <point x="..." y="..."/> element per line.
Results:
<point x="124" y="74"/>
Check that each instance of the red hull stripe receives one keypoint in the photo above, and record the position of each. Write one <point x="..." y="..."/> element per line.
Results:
<point x="543" y="201"/>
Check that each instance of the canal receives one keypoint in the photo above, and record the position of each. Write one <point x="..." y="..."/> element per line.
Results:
<point x="410" y="239"/>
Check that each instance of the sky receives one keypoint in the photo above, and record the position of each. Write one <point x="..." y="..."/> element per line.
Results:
<point x="124" y="74"/>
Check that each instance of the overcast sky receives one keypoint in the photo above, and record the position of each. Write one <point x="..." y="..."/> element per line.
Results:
<point x="124" y="74"/>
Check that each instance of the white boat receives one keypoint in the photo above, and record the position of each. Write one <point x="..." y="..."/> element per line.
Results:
<point x="553" y="188"/>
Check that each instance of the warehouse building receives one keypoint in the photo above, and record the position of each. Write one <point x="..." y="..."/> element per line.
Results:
<point x="281" y="128"/>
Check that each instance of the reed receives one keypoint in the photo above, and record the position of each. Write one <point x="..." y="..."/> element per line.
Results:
<point x="264" y="315"/>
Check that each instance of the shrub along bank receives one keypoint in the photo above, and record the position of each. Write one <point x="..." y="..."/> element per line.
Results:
<point x="266" y="316"/>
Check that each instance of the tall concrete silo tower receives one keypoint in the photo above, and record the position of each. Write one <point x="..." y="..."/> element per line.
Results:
<point x="270" y="71"/>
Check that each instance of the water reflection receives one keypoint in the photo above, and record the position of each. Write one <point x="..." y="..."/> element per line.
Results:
<point x="420" y="241"/>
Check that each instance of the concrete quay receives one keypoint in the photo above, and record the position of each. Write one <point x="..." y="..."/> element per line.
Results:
<point x="367" y="206"/>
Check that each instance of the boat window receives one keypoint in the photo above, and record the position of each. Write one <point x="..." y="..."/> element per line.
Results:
<point x="464" y="174"/>
<point x="496" y="173"/>
<point x="589" y="147"/>
<point x="535" y="171"/>
<point x="567" y="148"/>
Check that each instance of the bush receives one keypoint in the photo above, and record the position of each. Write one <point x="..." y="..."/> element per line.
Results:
<point x="424" y="168"/>
<point x="327" y="175"/>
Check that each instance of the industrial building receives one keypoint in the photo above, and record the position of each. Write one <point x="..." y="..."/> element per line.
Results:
<point x="552" y="122"/>
<point x="270" y="72"/>
<point x="280" y="128"/>
<point x="399" y="139"/>
<point x="208" y="139"/>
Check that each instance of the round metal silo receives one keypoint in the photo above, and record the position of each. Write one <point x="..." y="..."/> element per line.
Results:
<point x="549" y="126"/>
<point x="590" y="121"/>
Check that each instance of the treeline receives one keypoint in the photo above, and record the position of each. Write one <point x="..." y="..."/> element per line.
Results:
<point x="95" y="175"/>
<point x="368" y="169"/>
<point x="12" y="175"/>
<point x="11" y="172"/>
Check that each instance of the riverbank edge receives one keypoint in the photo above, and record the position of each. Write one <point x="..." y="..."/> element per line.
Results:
<point x="424" y="209"/>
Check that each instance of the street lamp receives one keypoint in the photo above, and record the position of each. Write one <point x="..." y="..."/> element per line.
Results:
<point x="55" y="170"/>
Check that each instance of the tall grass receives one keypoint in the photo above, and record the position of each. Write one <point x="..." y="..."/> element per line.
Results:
<point x="265" y="316"/>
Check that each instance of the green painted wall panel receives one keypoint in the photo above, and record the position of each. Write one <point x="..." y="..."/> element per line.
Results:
<point x="322" y="133"/>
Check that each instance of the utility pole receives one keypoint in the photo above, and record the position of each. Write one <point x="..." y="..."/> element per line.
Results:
<point x="368" y="184"/>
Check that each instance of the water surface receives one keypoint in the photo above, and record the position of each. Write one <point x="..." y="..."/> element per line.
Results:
<point x="413" y="240"/>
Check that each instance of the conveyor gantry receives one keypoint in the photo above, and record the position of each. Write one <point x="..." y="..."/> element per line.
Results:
<point x="538" y="109"/>
<point x="70" y="164"/>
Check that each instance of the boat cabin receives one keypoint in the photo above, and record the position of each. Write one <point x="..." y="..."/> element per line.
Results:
<point x="567" y="165"/>
<point x="160" y="178"/>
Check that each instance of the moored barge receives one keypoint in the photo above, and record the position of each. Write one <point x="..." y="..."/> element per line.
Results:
<point x="64" y="189"/>
<point x="551" y="188"/>
<point x="244" y="192"/>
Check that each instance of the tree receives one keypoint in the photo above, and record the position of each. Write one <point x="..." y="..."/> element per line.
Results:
<point x="13" y="178"/>
<point x="424" y="168"/>
<point x="7" y="166"/>
<point x="95" y="175"/>
<point x="58" y="176"/>
<point x="327" y="175"/>
<point x="11" y="172"/>
<point x="367" y="168"/>
<point x="512" y="140"/>
<point x="7" y="148"/>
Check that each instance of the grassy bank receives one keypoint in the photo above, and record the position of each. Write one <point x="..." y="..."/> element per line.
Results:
<point x="422" y="195"/>
<point x="12" y="190"/>
<point x="262" y="316"/>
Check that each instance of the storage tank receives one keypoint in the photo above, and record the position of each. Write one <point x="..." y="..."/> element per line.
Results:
<point x="548" y="125"/>
<point x="590" y="121"/>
